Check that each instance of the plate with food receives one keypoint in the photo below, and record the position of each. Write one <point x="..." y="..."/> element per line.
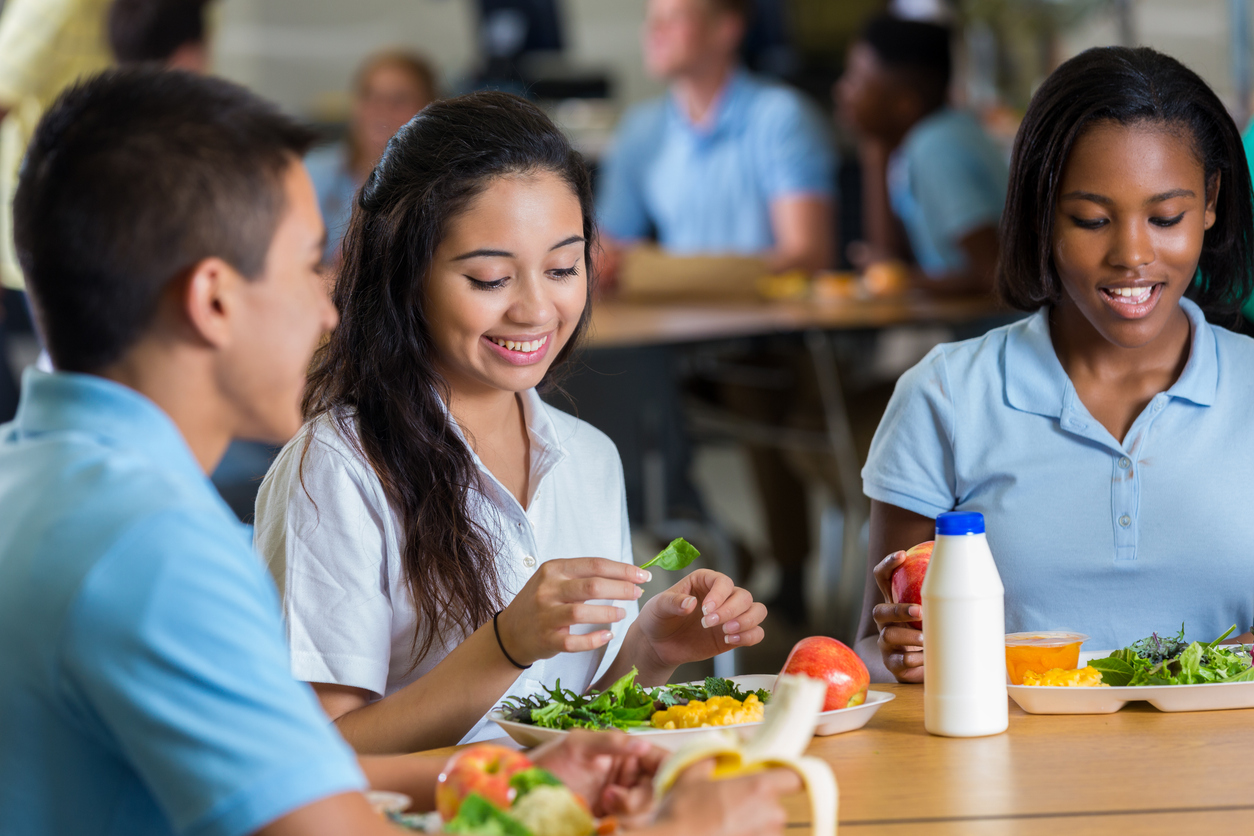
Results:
<point x="671" y="714"/>
<point x="1168" y="672"/>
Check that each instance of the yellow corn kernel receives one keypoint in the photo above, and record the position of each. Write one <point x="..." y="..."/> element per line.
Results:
<point x="1086" y="677"/>
<point x="716" y="711"/>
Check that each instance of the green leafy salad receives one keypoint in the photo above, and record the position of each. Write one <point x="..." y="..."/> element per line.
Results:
<point x="624" y="705"/>
<point x="1158" y="660"/>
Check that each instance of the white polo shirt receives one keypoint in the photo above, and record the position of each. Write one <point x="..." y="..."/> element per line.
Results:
<point x="334" y="546"/>
<point x="1114" y="538"/>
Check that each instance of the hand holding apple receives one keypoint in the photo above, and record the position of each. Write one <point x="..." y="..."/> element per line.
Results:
<point x="836" y="664"/>
<point x="907" y="581"/>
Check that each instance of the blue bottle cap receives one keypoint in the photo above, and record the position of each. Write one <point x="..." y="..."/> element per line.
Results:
<point x="960" y="522"/>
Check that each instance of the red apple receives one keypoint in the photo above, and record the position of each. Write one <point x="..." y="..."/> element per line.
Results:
<point x="907" y="582"/>
<point x="484" y="768"/>
<point x="833" y="662"/>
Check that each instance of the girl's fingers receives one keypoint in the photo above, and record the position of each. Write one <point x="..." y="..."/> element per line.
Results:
<point x="578" y="643"/>
<point x="736" y="605"/>
<point x="578" y="590"/>
<point x="595" y="614"/>
<point x="720" y="591"/>
<point x="746" y="620"/>
<point x="896" y="613"/>
<point x="744" y="638"/>
<point x="902" y="636"/>
<point x="674" y="604"/>
<point x="883" y="573"/>
<point x="599" y="567"/>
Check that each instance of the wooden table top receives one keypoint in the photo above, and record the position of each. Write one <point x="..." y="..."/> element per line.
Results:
<point x="623" y="324"/>
<point x="1139" y="771"/>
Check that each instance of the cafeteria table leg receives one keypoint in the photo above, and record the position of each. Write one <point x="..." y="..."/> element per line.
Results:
<point x="845" y="601"/>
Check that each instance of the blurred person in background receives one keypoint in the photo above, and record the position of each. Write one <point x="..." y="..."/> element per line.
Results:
<point x="726" y="162"/>
<point x="389" y="89"/>
<point x="45" y="45"/>
<point x="168" y="32"/>
<point x="933" y="182"/>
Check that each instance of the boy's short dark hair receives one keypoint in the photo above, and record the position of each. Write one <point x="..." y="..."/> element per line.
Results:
<point x="1127" y="87"/>
<point x="919" y="50"/>
<point x="131" y="179"/>
<point x="153" y="30"/>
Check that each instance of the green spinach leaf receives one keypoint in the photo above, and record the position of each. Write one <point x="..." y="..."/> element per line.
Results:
<point x="676" y="556"/>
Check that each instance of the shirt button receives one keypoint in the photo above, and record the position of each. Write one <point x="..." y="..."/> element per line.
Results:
<point x="1125" y="521"/>
<point x="529" y="561"/>
<point x="1124" y="462"/>
<point x="1158" y="406"/>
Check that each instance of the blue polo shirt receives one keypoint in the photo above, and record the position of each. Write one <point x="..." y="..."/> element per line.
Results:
<point x="336" y="189"/>
<point x="144" y="684"/>
<point x="1114" y="539"/>
<point x="946" y="180"/>
<point x="708" y="189"/>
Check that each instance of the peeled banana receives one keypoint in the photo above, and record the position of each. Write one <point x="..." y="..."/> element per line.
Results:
<point x="784" y="734"/>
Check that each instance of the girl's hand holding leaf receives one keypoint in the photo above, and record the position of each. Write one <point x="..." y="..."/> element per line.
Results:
<point x="537" y="623"/>
<point x="701" y="616"/>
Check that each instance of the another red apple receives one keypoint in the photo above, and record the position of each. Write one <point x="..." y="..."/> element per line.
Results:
<point x="833" y="662"/>
<point x="907" y="582"/>
<point x="484" y="768"/>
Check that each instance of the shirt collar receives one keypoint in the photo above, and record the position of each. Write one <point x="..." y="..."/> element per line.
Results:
<point x="727" y="108"/>
<point x="117" y="415"/>
<point x="547" y="449"/>
<point x="1036" y="382"/>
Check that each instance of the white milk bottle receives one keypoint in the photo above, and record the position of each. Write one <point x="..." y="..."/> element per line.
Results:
<point x="964" y="632"/>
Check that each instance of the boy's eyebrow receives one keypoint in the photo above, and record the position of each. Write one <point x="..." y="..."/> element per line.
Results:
<point x="1105" y="201"/>
<point x="486" y="253"/>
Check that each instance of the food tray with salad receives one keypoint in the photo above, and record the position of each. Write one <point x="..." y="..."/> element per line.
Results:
<point x="1169" y="673"/>
<point x="630" y="707"/>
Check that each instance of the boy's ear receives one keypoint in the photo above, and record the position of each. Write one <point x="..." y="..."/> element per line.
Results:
<point x="208" y="299"/>
<point x="1212" y="200"/>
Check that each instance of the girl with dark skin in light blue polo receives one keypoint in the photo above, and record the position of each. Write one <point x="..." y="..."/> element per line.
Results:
<point x="1103" y="437"/>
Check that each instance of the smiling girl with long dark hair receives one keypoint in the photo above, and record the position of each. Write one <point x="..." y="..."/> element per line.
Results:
<point x="442" y="536"/>
<point x="1106" y="437"/>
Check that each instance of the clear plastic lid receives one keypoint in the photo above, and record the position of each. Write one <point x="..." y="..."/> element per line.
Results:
<point x="1047" y="638"/>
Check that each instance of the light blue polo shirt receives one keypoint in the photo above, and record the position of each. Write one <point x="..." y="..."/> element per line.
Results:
<point x="709" y="189"/>
<point x="946" y="180"/>
<point x="144" y="685"/>
<point x="336" y="189"/>
<point x="1116" y="540"/>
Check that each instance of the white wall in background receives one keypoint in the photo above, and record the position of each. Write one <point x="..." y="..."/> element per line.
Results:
<point x="1193" y="31"/>
<point x="302" y="53"/>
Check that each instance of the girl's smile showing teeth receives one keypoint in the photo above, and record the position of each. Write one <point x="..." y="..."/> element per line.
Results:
<point x="1132" y="302"/>
<point x="520" y="352"/>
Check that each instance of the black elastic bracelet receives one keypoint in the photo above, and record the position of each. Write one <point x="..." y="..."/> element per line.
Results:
<point x="497" y="630"/>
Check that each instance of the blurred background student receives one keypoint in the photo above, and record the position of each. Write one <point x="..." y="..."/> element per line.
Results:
<point x="166" y="32"/>
<point x="725" y="162"/>
<point x="390" y="87"/>
<point x="933" y="183"/>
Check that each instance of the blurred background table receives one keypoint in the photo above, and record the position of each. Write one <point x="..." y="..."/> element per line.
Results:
<point x="625" y="324"/>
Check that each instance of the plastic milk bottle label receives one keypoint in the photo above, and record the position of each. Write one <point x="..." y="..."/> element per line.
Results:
<point x="964" y="632"/>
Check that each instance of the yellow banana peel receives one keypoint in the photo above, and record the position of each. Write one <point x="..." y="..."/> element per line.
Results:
<point x="780" y="741"/>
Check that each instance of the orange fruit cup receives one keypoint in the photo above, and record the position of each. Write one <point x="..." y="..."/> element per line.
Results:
<point x="1041" y="652"/>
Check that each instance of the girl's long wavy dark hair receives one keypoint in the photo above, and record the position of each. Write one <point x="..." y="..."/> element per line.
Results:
<point x="378" y="369"/>
<point x="1127" y="86"/>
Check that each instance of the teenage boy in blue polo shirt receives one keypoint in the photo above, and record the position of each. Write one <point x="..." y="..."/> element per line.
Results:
<point x="172" y="243"/>
<point x="928" y="170"/>
<point x="725" y="162"/>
